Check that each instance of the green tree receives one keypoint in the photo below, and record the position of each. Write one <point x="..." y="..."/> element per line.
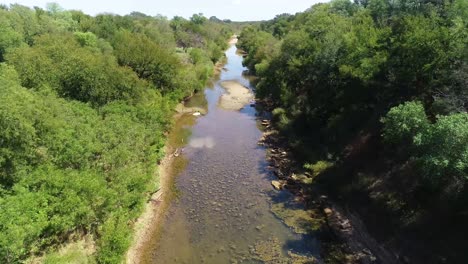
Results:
<point x="147" y="59"/>
<point x="9" y="37"/>
<point x="405" y="123"/>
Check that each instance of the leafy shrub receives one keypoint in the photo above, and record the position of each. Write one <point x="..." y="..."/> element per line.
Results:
<point x="318" y="167"/>
<point x="404" y="122"/>
<point x="114" y="240"/>
<point x="440" y="149"/>
<point x="443" y="150"/>
<point x="281" y="119"/>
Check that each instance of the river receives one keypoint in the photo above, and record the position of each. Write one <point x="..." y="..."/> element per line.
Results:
<point x="223" y="210"/>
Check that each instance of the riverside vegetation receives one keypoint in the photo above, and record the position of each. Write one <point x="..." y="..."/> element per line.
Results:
<point x="85" y="106"/>
<point x="372" y="97"/>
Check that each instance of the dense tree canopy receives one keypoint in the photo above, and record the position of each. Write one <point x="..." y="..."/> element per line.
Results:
<point x="85" y="104"/>
<point x="392" y="73"/>
<point x="339" y="64"/>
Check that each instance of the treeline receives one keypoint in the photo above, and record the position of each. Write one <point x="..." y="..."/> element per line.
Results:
<point x="85" y="103"/>
<point x="384" y="78"/>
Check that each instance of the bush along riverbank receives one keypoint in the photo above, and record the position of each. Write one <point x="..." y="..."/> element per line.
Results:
<point x="85" y="109"/>
<point x="370" y="101"/>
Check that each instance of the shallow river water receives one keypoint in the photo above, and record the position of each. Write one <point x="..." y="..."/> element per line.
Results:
<point x="222" y="213"/>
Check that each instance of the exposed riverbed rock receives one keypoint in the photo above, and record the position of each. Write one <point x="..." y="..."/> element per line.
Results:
<point x="277" y="184"/>
<point x="181" y="108"/>
<point x="328" y="211"/>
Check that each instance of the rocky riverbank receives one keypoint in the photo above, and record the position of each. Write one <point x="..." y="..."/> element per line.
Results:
<point x="343" y="235"/>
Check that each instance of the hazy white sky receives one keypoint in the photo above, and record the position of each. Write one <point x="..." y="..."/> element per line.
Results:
<point x="237" y="10"/>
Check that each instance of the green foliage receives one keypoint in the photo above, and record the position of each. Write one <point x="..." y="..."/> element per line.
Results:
<point x="76" y="72"/>
<point x="440" y="149"/>
<point x="147" y="59"/>
<point x="85" y="108"/>
<point x="331" y="72"/>
<point x="443" y="150"/>
<point x="86" y="156"/>
<point x="405" y="123"/>
<point x="281" y="118"/>
<point x="198" y="19"/>
<point x="76" y="253"/>
<point x="86" y="39"/>
<point x="424" y="48"/>
<point x="22" y="220"/>
<point x="9" y="37"/>
<point x="318" y="167"/>
<point x="114" y="241"/>
<point x="365" y="46"/>
<point x="259" y="46"/>
<point x="336" y="65"/>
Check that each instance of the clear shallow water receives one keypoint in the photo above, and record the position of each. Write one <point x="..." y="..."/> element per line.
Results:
<point x="222" y="214"/>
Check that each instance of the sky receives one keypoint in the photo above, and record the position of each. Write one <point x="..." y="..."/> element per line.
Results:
<point x="236" y="10"/>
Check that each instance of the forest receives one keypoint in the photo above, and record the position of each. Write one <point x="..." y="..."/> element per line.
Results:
<point x="85" y="106"/>
<point x="373" y="97"/>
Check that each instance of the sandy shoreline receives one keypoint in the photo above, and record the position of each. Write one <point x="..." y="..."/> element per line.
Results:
<point x="237" y="96"/>
<point x="148" y="222"/>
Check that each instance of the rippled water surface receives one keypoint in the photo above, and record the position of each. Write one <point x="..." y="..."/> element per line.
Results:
<point x="222" y="213"/>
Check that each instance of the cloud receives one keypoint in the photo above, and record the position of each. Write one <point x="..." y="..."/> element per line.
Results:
<point x="203" y="142"/>
<point x="236" y="2"/>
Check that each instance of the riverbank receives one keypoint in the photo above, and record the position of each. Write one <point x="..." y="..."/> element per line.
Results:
<point x="344" y="237"/>
<point x="368" y="219"/>
<point x="146" y="225"/>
